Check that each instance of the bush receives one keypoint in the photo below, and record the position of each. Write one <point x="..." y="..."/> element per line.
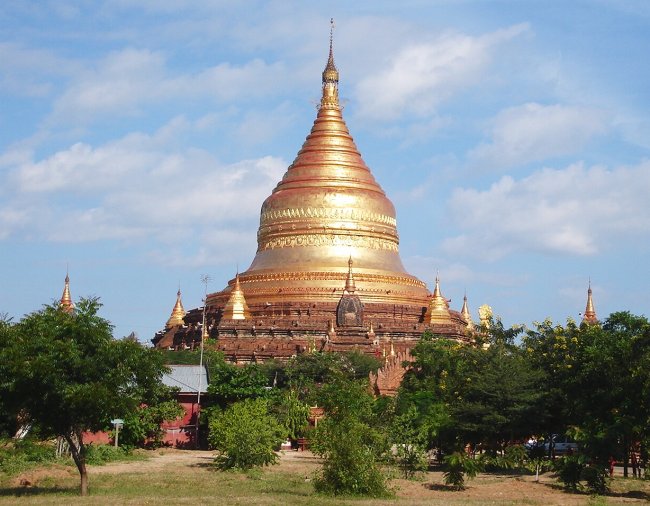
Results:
<point x="573" y="469"/>
<point x="98" y="455"/>
<point x="15" y="457"/>
<point x="245" y="434"/>
<point x="569" y="470"/>
<point x="409" y="443"/>
<point x="142" y="427"/>
<point x="350" y="466"/>
<point x="460" y="466"/>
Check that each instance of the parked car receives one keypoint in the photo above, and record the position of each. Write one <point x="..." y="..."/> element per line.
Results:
<point x="562" y="445"/>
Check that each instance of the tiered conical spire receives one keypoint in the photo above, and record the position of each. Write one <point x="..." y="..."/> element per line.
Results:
<point x="330" y="77"/>
<point x="328" y="206"/>
<point x="590" y="311"/>
<point x="439" y="306"/>
<point x="236" y="308"/>
<point x="66" y="303"/>
<point x="467" y="316"/>
<point x="178" y="313"/>
<point x="350" y="287"/>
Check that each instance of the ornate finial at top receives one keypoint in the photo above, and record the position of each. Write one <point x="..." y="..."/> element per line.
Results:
<point x="66" y="303"/>
<point x="590" y="311"/>
<point x="330" y="76"/>
<point x="350" y="287"/>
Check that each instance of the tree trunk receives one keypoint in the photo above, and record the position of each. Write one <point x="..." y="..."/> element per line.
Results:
<point x="626" y="455"/>
<point x="78" y="451"/>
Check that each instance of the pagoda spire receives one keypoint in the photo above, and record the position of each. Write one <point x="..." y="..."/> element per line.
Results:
<point x="178" y="313"/>
<point x="590" y="312"/>
<point x="236" y="308"/>
<point x="350" y="287"/>
<point x="439" y="306"/>
<point x="330" y="96"/>
<point x="66" y="303"/>
<point x="466" y="314"/>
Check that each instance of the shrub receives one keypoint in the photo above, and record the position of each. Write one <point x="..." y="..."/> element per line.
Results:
<point x="142" y="427"/>
<point x="569" y="470"/>
<point x="460" y="466"/>
<point x="98" y="455"/>
<point x="409" y="443"/>
<point x="245" y="435"/>
<point x="15" y="457"/>
<point x="350" y="466"/>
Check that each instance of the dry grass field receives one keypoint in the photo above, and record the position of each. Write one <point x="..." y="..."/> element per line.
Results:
<point x="188" y="477"/>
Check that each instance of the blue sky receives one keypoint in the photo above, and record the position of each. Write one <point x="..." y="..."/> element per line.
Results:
<point x="138" y="140"/>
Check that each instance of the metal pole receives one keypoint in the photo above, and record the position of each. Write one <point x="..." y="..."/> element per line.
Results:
<point x="204" y="279"/>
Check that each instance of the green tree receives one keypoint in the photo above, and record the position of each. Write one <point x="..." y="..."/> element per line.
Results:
<point x="409" y="442"/>
<point x="230" y="383"/>
<point x="70" y="376"/>
<point x="142" y="427"/>
<point x="350" y="440"/>
<point x="245" y="434"/>
<point x="7" y="416"/>
<point x="292" y="414"/>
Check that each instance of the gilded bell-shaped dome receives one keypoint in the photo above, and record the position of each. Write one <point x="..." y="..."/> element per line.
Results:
<point x="328" y="208"/>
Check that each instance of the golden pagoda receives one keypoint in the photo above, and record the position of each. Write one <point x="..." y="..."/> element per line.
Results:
<point x="66" y="303"/>
<point x="327" y="265"/>
<point x="589" y="316"/>
<point x="178" y="312"/>
<point x="439" y="306"/>
<point x="236" y="307"/>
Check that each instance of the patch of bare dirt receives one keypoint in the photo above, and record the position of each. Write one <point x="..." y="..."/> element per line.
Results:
<point x="33" y="477"/>
<point x="157" y="461"/>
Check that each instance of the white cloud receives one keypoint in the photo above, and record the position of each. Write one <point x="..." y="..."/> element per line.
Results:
<point x="576" y="210"/>
<point x="421" y="75"/>
<point x="126" y="81"/>
<point x="26" y="71"/>
<point x="139" y="187"/>
<point x="534" y="132"/>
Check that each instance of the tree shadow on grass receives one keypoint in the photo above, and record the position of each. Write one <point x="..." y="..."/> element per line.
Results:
<point x="439" y="487"/>
<point x="35" y="491"/>
<point x="632" y="494"/>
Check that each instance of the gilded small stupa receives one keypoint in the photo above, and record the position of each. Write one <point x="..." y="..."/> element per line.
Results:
<point x="66" y="303"/>
<point x="236" y="308"/>
<point x="589" y="316"/>
<point x="327" y="266"/>
<point x="439" y="306"/>
<point x="178" y="312"/>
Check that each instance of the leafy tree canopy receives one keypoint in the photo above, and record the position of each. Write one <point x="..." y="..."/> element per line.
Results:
<point x="69" y="375"/>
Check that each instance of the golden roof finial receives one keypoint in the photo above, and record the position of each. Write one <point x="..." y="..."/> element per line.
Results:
<point x="392" y="348"/>
<point x="439" y="306"/>
<point x="330" y="76"/>
<point x="66" y="303"/>
<point x="350" y="287"/>
<point x="236" y="308"/>
<point x="178" y="312"/>
<point x="590" y="311"/>
<point x="466" y="314"/>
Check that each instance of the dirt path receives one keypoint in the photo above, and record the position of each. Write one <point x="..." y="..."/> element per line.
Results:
<point x="159" y="460"/>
